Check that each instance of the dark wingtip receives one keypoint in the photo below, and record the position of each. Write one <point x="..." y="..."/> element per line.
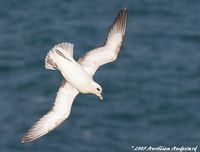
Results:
<point x="124" y="8"/>
<point x="119" y="23"/>
<point x="122" y="16"/>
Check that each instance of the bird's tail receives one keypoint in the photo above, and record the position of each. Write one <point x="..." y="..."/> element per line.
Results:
<point x="63" y="49"/>
<point x="49" y="64"/>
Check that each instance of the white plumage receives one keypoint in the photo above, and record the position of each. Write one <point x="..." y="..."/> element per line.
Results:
<point x="78" y="76"/>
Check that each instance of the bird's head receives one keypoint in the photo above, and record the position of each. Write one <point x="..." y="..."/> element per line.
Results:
<point x="97" y="90"/>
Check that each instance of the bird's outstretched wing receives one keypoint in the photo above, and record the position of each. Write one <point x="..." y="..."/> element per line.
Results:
<point x="59" y="112"/>
<point x="109" y="51"/>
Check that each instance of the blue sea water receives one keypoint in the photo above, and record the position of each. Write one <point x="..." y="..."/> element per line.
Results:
<point x="151" y="93"/>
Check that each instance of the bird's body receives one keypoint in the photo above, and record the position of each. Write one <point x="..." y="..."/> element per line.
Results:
<point x="71" y="71"/>
<point x="78" y="76"/>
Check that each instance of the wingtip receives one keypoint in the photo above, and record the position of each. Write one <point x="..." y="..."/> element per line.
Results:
<point x="27" y="138"/>
<point x="124" y="12"/>
<point x="124" y="9"/>
<point x="23" y="141"/>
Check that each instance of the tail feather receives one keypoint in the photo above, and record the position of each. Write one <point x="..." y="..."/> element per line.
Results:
<point x="49" y="64"/>
<point x="63" y="49"/>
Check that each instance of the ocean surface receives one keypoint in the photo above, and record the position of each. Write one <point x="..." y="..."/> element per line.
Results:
<point x="151" y="92"/>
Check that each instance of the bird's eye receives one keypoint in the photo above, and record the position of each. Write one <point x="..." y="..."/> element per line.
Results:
<point x="98" y="89"/>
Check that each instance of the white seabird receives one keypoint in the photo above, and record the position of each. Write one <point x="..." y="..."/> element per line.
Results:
<point x="78" y="75"/>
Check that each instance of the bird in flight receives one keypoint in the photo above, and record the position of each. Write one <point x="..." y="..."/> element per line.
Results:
<point x="78" y="75"/>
